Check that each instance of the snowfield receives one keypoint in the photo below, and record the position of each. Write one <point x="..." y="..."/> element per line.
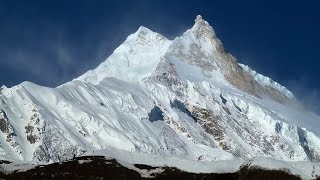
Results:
<point x="183" y="102"/>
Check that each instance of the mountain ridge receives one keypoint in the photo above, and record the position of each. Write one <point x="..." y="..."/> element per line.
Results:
<point x="187" y="98"/>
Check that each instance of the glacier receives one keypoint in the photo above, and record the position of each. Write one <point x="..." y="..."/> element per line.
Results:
<point x="185" y="98"/>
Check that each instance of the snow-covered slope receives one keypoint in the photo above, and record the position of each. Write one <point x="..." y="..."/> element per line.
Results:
<point x="133" y="60"/>
<point x="185" y="98"/>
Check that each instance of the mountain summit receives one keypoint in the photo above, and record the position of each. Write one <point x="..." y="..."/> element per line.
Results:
<point x="185" y="98"/>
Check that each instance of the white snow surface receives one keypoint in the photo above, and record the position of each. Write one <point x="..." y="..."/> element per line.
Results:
<point x="160" y="97"/>
<point x="304" y="169"/>
<point x="190" y="165"/>
<point x="133" y="60"/>
<point x="266" y="81"/>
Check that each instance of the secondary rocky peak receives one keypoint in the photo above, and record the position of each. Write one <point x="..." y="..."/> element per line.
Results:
<point x="143" y="33"/>
<point x="145" y="36"/>
<point x="143" y="30"/>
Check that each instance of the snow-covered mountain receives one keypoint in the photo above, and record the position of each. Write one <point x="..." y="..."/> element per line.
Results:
<point x="185" y="98"/>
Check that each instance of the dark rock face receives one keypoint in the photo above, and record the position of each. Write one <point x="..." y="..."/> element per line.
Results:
<point x="210" y="124"/>
<point x="4" y="123"/>
<point x="33" y="128"/>
<point x="7" y="130"/>
<point x="30" y="137"/>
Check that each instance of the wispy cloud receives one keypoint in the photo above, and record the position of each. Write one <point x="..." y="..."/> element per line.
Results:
<point x="47" y="61"/>
<point x="304" y="89"/>
<point x="51" y="51"/>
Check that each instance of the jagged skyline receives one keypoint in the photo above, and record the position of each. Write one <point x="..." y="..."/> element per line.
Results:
<point x="52" y="43"/>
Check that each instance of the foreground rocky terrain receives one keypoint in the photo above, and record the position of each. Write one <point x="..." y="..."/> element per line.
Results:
<point x="99" y="167"/>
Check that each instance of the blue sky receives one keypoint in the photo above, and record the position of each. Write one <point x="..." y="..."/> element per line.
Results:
<point x="51" y="42"/>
